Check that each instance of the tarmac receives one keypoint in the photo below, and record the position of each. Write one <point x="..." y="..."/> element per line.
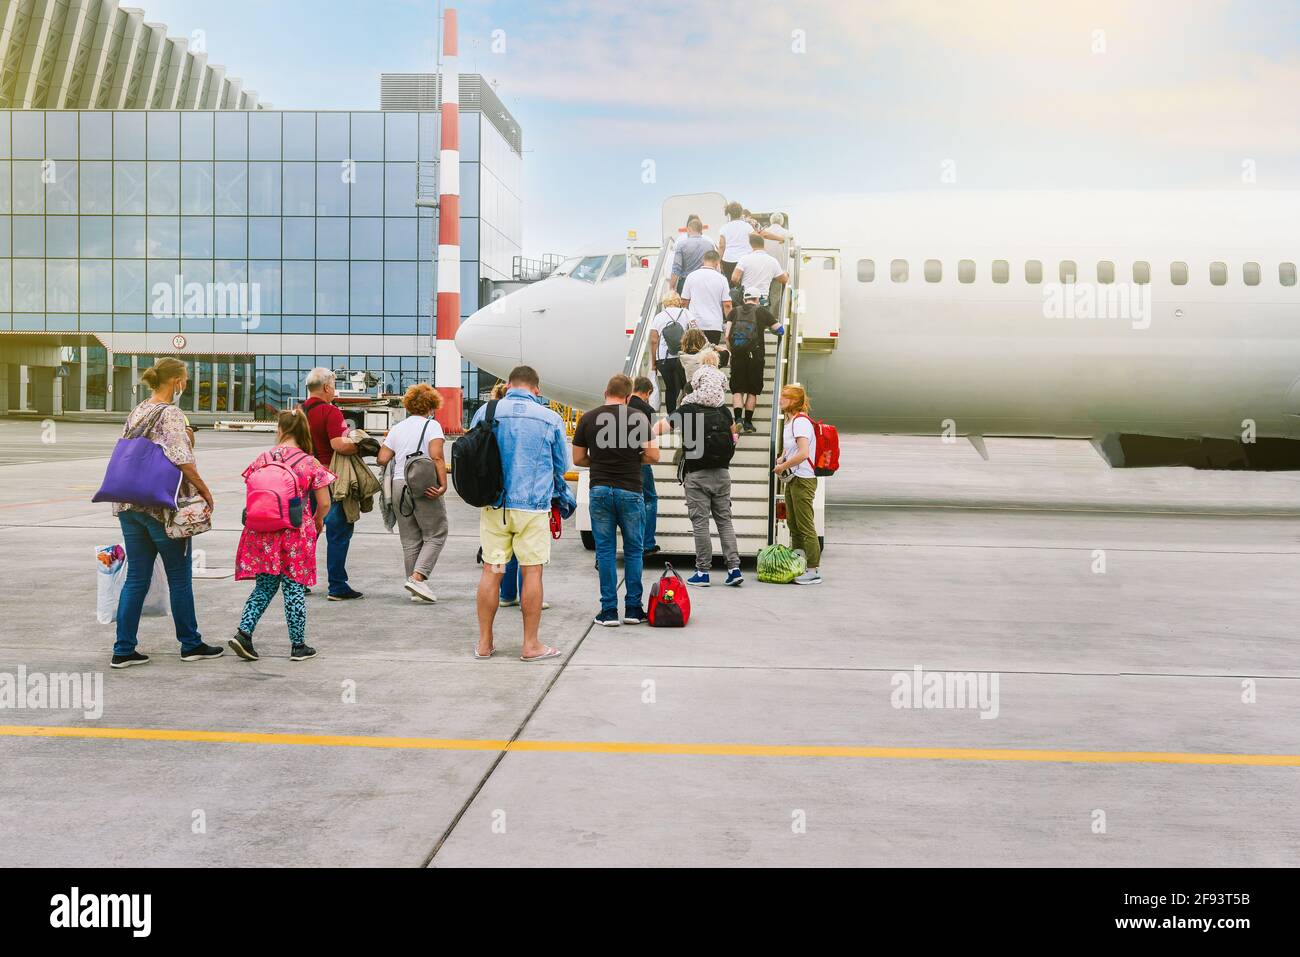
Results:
<point x="1136" y="625"/>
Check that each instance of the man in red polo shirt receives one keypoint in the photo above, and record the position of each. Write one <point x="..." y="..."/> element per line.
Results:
<point x="328" y="431"/>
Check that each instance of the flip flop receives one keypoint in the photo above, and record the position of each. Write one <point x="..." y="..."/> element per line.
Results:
<point x="483" y="657"/>
<point x="548" y="653"/>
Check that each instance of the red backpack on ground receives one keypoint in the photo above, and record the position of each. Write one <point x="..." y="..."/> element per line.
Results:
<point x="670" y="603"/>
<point x="274" y="497"/>
<point x="826" y="461"/>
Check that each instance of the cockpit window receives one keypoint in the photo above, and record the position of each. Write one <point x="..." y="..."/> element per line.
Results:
<point x="566" y="267"/>
<point x="588" y="268"/>
<point x="617" y="267"/>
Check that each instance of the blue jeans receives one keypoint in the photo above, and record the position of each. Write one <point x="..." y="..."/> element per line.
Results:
<point x="651" y="506"/>
<point x="510" y="581"/>
<point x="338" y="536"/>
<point x="618" y="510"/>
<point x="146" y="540"/>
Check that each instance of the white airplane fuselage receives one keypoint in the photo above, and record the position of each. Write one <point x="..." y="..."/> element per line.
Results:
<point x="981" y="357"/>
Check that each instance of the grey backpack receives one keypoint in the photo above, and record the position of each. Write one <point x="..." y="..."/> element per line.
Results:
<point x="420" y="474"/>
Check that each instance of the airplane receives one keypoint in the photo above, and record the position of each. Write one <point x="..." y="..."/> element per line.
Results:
<point x="1163" y="326"/>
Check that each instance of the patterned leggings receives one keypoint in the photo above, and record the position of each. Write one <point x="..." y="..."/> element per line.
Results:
<point x="295" y="606"/>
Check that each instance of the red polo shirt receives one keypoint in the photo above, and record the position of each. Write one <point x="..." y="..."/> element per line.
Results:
<point x="326" y="423"/>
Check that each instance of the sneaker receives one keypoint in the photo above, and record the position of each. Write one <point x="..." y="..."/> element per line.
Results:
<point x="652" y="550"/>
<point x="749" y="427"/>
<point x="127" y="661"/>
<point x="509" y="602"/>
<point x="420" y="590"/>
<point x="349" y="595"/>
<point x="699" y="579"/>
<point x="734" y="577"/>
<point x="608" y="617"/>
<point x="810" y="577"/>
<point x="634" y="616"/>
<point x="203" y="653"/>
<point x="242" y="645"/>
<point x="302" y="652"/>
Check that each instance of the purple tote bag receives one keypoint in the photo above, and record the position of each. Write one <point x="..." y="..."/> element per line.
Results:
<point x="139" y="473"/>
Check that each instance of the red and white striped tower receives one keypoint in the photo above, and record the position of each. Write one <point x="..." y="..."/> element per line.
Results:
<point x="446" y="372"/>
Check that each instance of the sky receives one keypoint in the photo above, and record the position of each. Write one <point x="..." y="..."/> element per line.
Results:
<point x="779" y="103"/>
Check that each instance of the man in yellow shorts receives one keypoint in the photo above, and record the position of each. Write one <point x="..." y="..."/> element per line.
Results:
<point x="534" y="460"/>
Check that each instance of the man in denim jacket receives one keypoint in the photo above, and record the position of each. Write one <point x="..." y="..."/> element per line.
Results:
<point x="534" y="460"/>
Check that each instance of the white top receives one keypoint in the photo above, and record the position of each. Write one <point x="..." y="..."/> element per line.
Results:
<point x="778" y="248"/>
<point x="404" y="437"/>
<point x="680" y="316"/>
<point x="707" y="289"/>
<point x="736" y="233"/>
<point x="794" y="428"/>
<point x="758" y="269"/>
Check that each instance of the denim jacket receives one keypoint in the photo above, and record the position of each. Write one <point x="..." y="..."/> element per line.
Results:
<point x="534" y="453"/>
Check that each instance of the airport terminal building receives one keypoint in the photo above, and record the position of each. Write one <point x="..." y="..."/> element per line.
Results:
<point x="254" y="243"/>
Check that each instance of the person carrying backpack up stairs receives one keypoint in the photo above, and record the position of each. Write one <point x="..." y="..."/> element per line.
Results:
<point x="278" y="544"/>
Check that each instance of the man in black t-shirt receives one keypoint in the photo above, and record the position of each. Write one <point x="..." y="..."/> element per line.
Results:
<point x="749" y="324"/>
<point x="614" y="440"/>
<point x="642" y="389"/>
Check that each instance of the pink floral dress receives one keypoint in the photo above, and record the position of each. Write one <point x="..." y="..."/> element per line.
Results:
<point x="291" y="551"/>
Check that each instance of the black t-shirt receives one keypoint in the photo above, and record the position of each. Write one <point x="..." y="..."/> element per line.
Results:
<point x="764" y="319"/>
<point x="613" y="436"/>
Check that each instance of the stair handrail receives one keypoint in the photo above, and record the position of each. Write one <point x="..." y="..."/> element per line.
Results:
<point x="636" y="352"/>
<point x="783" y="372"/>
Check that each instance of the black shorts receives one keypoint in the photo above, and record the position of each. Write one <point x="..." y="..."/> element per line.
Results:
<point x="747" y="372"/>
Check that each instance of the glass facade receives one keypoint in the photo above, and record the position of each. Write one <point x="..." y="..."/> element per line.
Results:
<point x="298" y="229"/>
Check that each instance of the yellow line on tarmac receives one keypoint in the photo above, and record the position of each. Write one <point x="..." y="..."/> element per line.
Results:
<point x="684" y="749"/>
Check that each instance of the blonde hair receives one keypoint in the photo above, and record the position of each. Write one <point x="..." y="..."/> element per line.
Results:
<point x="798" y="397"/>
<point x="709" y="357"/>
<point x="499" y="390"/>
<point x="421" y="399"/>
<point x="166" y="369"/>
<point x="693" y="341"/>
<point x="672" y="300"/>
<point x="292" y="424"/>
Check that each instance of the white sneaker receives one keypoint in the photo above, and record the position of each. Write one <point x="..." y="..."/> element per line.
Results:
<point x="810" y="577"/>
<point x="420" y="590"/>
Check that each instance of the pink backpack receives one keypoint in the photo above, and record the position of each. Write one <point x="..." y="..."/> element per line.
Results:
<point x="273" y="500"/>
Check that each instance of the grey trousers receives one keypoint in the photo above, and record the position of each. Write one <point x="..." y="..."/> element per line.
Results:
<point x="423" y="533"/>
<point x="708" y="494"/>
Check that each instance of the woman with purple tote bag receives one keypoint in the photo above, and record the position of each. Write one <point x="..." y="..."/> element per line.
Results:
<point x="152" y="464"/>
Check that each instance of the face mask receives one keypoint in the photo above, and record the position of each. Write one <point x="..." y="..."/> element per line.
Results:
<point x="176" y="396"/>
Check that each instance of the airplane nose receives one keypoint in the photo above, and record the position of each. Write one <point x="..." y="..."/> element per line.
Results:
<point x="490" y="338"/>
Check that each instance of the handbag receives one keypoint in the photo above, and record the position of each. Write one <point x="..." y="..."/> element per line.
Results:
<point x="191" y="518"/>
<point x="139" y="472"/>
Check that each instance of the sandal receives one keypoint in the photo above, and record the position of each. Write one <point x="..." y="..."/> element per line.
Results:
<point x="483" y="657"/>
<point x="548" y="653"/>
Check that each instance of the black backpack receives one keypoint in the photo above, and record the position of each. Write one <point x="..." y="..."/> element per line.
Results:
<point x="673" y="332"/>
<point x="712" y="435"/>
<point x="476" y="463"/>
<point x="744" y="328"/>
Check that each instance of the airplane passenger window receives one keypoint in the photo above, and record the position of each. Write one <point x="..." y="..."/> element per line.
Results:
<point x="588" y="269"/>
<point x="1105" y="271"/>
<point x="1033" y="271"/>
<point x="1001" y="270"/>
<point x="933" y="270"/>
<point x="1218" y="274"/>
<point x="1178" y="274"/>
<point x="898" y="270"/>
<point x="1250" y="274"/>
<point x="1141" y="273"/>
<point x="1069" y="271"/>
<point x="966" y="270"/>
<point x="617" y="267"/>
<point x="1286" y="273"/>
<point x="866" y="270"/>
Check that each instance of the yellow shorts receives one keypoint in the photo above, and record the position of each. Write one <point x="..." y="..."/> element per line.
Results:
<point x="508" y="532"/>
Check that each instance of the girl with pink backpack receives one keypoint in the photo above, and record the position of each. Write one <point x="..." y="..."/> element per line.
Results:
<point x="278" y="545"/>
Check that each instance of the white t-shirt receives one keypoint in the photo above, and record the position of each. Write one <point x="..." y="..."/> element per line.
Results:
<point x="779" y="249"/>
<point x="758" y="269"/>
<point x="736" y="233"/>
<point x="681" y="316"/>
<point x="404" y="437"/>
<point x="794" y="428"/>
<point x="706" y="289"/>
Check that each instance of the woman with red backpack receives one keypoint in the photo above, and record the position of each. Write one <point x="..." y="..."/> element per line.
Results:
<point x="278" y="545"/>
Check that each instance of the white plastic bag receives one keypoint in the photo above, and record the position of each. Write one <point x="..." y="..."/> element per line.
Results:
<point x="111" y="577"/>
